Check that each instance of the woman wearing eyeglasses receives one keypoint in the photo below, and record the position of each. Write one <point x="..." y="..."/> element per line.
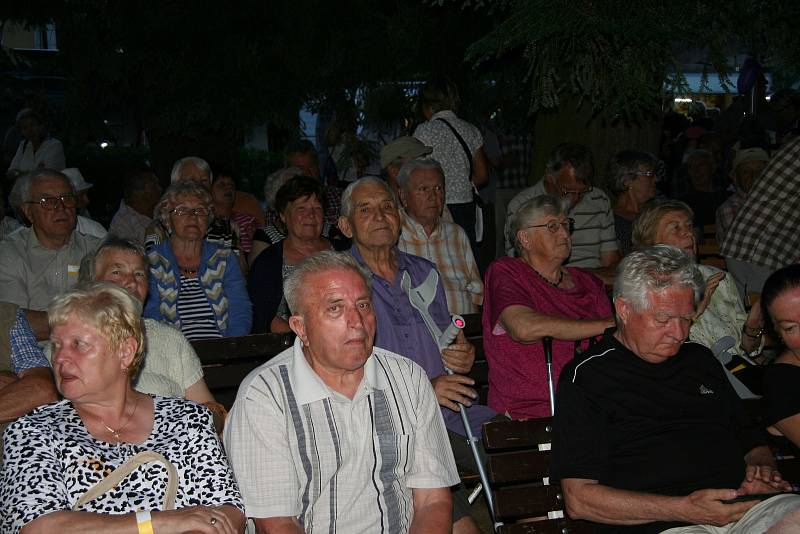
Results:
<point x="632" y="177"/>
<point x="531" y="297"/>
<point x="195" y="285"/>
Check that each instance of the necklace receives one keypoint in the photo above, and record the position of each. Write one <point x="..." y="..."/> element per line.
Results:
<point x="556" y="284"/>
<point x="186" y="270"/>
<point x="116" y="433"/>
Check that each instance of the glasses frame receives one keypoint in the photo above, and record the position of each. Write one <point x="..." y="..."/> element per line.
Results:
<point x="554" y="226"/>
<point x="565" y="193"/>
<point x="190" y="212"/>
<point x="53" y="202"/>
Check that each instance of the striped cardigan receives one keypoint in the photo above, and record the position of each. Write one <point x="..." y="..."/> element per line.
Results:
<point x="220" y="278"/>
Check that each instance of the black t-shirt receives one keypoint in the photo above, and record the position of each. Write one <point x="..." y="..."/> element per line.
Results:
<point x="668" y="428"/>
<point x="781" y="394"/>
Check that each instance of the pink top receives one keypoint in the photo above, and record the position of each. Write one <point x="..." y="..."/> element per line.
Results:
<point x="517" y="371"/>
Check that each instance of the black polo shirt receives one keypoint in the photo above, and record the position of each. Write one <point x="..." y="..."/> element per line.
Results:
<point x="669" y="428"/>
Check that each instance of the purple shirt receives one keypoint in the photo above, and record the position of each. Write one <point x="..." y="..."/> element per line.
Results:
<point x="402" y="330"/>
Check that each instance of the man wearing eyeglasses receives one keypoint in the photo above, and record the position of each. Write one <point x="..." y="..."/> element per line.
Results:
<point x="568" y="176"/>
<point x="42" y="261"/>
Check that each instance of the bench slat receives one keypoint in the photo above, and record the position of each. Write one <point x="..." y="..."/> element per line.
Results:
<point x="227" y="349"/>
<point x="556" y="526"/>
<point x="518" y="467"/>
<point x="510" y="435"/>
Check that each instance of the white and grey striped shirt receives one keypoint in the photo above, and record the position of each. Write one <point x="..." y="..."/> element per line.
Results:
<point x="300" y="449"/>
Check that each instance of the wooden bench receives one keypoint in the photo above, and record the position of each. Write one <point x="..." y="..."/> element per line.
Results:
<point x="227" y="361"/>
<point x="473" y="331"/>
<point x="518" y="462"/>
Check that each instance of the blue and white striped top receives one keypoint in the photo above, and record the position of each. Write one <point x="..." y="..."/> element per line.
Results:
<point x="197" y="318"/>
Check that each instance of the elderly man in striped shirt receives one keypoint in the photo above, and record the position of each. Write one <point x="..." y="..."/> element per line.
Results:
<point x="334" y="434"/>
<point x="444" y="243"/>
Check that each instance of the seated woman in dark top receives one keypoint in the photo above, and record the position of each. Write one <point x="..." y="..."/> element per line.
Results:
<point x="780" y="300"/>
<point x="300" y="204"/>
<point x="632" y="177"/>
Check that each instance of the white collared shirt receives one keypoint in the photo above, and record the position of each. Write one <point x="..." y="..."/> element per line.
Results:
<point x="300" y="449"/>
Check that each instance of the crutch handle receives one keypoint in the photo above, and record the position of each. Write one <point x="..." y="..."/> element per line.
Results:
<point x="547" y="342"/>
<point x="457" y="323"/>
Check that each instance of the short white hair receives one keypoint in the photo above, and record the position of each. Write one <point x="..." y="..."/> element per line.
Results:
<point x="177" y="168"/>
<point x="655" y="269"/>
<point x="347" y="202"/>
<point x="320" y="262"/>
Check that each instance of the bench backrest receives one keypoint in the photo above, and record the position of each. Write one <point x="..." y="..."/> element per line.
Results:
<point x="227" y="361"/>
<point x="518" y="458"/>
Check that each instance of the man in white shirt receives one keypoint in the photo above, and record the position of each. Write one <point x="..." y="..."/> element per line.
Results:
<point x="37" y="150"/>
<point x="334" y="434"/>
<point x="40" y="262"/>
<point x="568" y="176"/>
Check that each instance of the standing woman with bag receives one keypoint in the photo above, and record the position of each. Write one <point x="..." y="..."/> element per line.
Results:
<point x="62" y="461"/>
<point x="458" y="147"/>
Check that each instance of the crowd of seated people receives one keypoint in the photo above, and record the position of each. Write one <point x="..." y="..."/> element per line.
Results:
<point x="359" y="423"/>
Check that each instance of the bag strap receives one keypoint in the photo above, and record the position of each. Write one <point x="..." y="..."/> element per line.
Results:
<point x="463" y="144"/>
<point x="116" y="476"/>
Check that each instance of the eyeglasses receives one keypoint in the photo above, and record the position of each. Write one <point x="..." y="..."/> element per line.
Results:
<point x="51" y="203"/>
<point x="554" y="226"/>
<point x="577" y="193"/>
<point x="186" y="212"/>
<point x="649" y="174"/>
<point x="424" y="189"/>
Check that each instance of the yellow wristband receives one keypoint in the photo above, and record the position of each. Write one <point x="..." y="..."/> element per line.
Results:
<point x="144" y="523"/>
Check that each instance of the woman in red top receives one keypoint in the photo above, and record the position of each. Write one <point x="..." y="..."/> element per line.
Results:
<point x="531" y="297"/>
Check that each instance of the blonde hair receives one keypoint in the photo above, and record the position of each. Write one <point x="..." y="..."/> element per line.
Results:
<point x="645" y="225"/>
<point x="109" y="308"/>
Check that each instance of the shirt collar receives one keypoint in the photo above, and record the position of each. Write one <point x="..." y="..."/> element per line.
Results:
<point x="308" y="386"/>
<point x="32" y="241"/>
<point x="417" y="228"/>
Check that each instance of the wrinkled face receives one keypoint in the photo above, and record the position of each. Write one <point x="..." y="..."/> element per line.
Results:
<point x="192" y="173"/>
<point x="375" y="221"/>
<point x="124" y="268"/>
<point x="304" y="217"/>
<point x="223" y="191"/>
<point x="785" y="314"/>
<point x="189" y="225"/>
<point x="642" y="184"/>
<point x="306" y="161"/>
<point x="568" y="185"/>
<point x="539" y="241"/>
<point x="423" y="196"/>
<point x="83" y="363"/>
<point x="338" y="324"/>
<point x="57" y="223"/>
<point x="656" y="334"/>
<point x="675" y="228"/>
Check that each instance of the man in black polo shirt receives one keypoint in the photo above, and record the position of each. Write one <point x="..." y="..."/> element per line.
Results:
<point x="649" y="434"/>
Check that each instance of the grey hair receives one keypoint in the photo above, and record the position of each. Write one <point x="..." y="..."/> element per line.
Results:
<point x="320" y="262"/>
<point x="531" y="211"/>
<point x="21" y="192"/>
<point x="88" y="270"/>
<point x="179" y="189"/>
<point x="275" y="180"/>
<point x="347" y="203"/>
<point x="413" y="165"/>
<point x="177" y="168"/>
<point x="655" y="269"/>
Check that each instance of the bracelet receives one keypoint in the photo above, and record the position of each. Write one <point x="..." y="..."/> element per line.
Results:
<point x="755" y="335"/>
<point x="144" y="522"/>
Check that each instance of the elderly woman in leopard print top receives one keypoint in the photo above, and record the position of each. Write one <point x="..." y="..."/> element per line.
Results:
<point x="54" y="455"/>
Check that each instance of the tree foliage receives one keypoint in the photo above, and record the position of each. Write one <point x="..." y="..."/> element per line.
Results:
<point x="620" y="57"/>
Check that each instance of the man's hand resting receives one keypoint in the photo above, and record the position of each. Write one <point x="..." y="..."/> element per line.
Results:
<point x="451" y="389"/>
<point x="705" y="507"/>
<point x="762" y="479"/>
